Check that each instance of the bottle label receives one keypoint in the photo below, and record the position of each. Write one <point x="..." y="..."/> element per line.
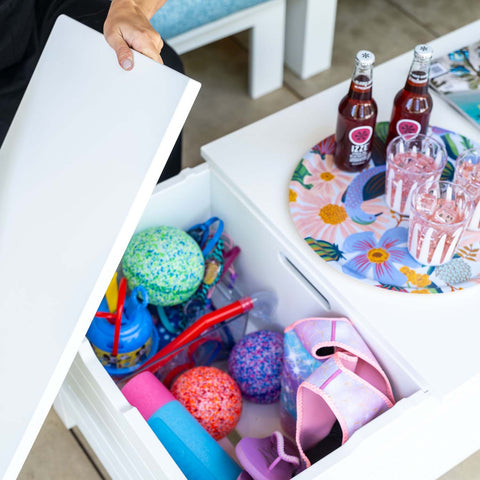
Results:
<point x="124" y="359"/>
<point x="418" y="77"/>
<point x="408" y="128"/>
<point x="359" y="154"/>
<point x="359" y="149"/>
<point x="362" y="84"/>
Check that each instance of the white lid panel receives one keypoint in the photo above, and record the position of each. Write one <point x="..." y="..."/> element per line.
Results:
<point x="77" y="167"/>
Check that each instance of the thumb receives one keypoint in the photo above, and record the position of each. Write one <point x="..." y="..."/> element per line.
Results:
<point x="124" y="54"/>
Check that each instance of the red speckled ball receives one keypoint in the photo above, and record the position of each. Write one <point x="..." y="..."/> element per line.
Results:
<point x="212" y="397"/>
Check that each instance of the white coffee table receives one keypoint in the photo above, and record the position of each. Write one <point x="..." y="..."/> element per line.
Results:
<point x="438" y="335"/>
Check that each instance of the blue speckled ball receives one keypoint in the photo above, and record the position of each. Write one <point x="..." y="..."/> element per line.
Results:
<point x="167" y="262"/>
<point x="255" y="363"/>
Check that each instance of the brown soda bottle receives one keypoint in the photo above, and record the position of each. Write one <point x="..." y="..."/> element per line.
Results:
<point x="413" y="104"/>
<point x="357" y="114"/>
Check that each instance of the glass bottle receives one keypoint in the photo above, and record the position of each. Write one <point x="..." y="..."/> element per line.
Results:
<point x="357" y="114"/>
<point x="413" y="104"/>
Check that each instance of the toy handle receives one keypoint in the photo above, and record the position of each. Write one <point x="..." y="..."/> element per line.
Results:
<point x="143" y="301"/>
<point x="207" y="245"/>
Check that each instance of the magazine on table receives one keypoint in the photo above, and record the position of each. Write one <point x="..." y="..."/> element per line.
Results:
<point x="456" y="78"/>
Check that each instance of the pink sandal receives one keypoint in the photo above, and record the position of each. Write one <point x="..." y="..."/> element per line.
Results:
<point x="331" y="386"/>
<point x="345" y="382"/>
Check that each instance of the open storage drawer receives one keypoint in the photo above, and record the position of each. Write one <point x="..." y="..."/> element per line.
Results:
<point x="124" y="442"/>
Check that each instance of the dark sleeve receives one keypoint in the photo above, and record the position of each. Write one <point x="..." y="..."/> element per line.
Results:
<point x="17" y="19"/>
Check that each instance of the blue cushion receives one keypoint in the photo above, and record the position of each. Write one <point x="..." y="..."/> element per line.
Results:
<point x="179" y="16"/>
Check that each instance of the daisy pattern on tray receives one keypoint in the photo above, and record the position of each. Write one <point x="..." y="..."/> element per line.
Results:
<point x="326" y="218"/>
<point x="382" y="259"/>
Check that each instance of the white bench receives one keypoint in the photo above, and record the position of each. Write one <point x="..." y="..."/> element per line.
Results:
<point x="266" y="22"/>
<point x="310" y="26"/>
<point x="299" y="32"/>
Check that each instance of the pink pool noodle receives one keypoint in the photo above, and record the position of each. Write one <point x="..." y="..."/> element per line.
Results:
<point x="145" y="392"/>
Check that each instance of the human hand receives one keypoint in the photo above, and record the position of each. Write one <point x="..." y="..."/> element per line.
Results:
<point x="127" y="25"/>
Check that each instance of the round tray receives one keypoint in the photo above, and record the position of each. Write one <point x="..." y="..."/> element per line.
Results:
<point x="344" y="218"/>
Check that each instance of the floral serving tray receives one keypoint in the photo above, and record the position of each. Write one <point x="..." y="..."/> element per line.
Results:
<point x="344" y="218"/>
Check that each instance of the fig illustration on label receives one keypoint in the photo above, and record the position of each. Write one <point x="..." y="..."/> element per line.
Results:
<point x="360" y="135"/>
<point x="408" y="127"/>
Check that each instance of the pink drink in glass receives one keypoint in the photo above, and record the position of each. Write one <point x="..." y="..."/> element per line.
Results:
<point x="467" y="174"/>
<point x="411" y="161"/>
<point x="439" y="214"/>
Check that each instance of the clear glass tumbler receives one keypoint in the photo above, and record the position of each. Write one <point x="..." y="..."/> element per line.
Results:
<point x="467" y="174"/>
<point x="439" y="214"/>
<point x="411" y="160"/>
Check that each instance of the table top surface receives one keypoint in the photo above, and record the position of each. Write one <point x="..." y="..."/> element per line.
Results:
<point x="258" y="162"/>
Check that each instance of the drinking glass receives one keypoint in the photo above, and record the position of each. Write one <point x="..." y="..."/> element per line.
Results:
<point x="411" y="160"/>
<point x="467" y="174"/>
<point x="439" y="214"/>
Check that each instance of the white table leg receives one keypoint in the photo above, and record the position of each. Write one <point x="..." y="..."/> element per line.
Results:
<point x="310" y="26"/>
<point x="267" y="41"/>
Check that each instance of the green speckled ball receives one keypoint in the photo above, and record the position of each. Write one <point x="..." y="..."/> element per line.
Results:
<point x="167" y="262"/>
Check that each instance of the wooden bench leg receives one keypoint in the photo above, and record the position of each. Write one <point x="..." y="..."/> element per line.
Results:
<point x="267" y="39"/>
<point x="310" y="26"/>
